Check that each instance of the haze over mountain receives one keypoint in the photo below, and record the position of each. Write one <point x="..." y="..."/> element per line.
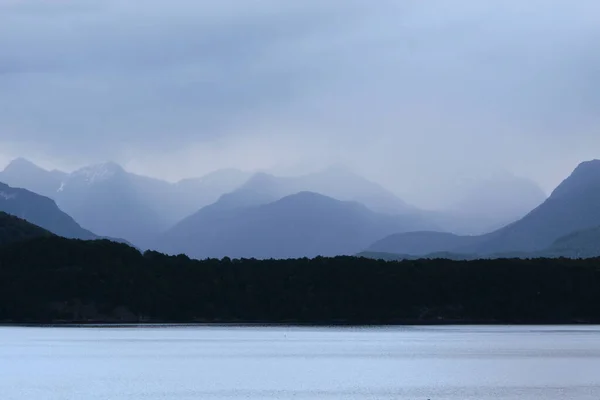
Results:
<point x="573" y="206"/>
<point x="305" y="224"/>
<point x="490" y="203"/>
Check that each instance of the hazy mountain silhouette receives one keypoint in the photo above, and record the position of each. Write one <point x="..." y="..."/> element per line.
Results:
<point x="486" y="205"/>
<point x="41" y="211"/>
<point x="581" y="244"/>
<point x="342" y="184"/>
<point x="13" y="229"/>
<point x="22" y="173"/>
<point x="260" y="189"/>
<point x="305" y="224"/>
<point x="334" y="182"/>
<point x="422" y="243"/>
<point x="573" y="206"/>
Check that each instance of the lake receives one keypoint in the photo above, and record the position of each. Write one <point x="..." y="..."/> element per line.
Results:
<point x="300" y="363"/>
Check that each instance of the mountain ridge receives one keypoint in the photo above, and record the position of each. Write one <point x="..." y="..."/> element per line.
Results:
<point x="14" y="229"/>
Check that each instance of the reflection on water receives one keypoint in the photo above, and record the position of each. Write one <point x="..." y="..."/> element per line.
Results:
<point x="300" y="363"/>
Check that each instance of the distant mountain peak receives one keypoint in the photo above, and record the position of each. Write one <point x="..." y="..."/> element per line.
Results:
<point x="595" y="163"/>
<point x="22" y="160"/>
<point x="98" y="172"/>
<point x="587" y="169"/>
<point x="260" y="181"/>
<point x="20" y="164"/>
<point x="22" y="173"/>
<point x="585" y="176"/>
<point x="308" y="196"/>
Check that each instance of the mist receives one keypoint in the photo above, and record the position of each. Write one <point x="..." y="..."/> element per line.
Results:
<point x="417" y="96"/>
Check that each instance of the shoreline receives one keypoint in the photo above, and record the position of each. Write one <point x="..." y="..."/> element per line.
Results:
<point x="407" y="324"/>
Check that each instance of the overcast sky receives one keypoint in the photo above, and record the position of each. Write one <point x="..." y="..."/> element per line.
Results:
<point x="411" y="93"/>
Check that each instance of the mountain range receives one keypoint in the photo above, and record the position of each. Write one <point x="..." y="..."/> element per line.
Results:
<point x="192" y="234"/>
<point x="579" y="244"/>
<point x="331" y="212"/>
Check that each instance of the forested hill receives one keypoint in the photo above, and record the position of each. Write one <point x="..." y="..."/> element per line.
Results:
<point x="52" y="279"/>
<point x="13" y="229"/>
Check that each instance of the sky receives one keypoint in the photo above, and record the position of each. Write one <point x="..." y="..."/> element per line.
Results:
<point x="413" y="94"/>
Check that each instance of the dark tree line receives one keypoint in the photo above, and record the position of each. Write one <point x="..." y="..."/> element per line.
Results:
<point x="58" y="280"/>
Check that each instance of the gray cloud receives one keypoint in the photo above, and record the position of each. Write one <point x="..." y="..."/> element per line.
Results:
<point x="411" y="93"/>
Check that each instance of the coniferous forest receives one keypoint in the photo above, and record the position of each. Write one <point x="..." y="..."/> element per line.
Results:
<point x="57" y="280"/>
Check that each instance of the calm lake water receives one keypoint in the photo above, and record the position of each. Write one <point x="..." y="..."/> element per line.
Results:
<point x="297" y="363"/>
